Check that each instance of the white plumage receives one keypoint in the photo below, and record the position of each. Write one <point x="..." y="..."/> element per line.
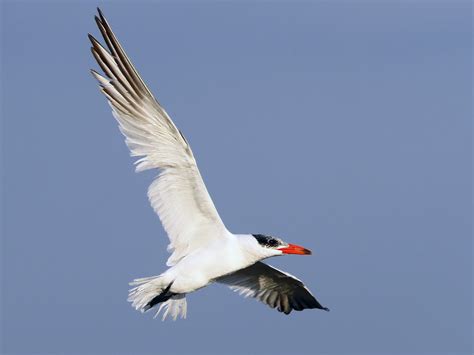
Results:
<point x="203" y="250"/>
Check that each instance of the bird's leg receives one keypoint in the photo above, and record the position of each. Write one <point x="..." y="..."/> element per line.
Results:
<point x="165" y="295"/>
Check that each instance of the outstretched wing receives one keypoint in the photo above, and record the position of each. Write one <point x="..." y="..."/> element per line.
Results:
<point x="178" y="195"/>
<point x="272" y="287"/>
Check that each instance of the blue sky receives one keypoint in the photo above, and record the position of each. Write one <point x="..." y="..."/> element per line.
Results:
<point x="342" y="126"/>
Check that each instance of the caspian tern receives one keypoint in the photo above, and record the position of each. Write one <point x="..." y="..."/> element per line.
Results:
<point x="203" y="250"/>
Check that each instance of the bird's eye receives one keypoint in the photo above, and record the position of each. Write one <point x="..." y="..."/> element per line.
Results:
<point x="273" y="243"/>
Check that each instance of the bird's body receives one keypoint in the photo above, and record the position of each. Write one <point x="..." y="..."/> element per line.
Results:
<point x="203" y="250"/>
<point x="203" y="266"/>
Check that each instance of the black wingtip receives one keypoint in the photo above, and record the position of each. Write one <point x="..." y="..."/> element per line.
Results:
<point x="91" y="38"/>
<point x="94" y="73"/>
<point x="101" y="14"/>
<point x="325" y="309"/>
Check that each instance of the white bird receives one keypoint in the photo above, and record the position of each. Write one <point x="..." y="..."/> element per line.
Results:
<point x="203" y="250"/>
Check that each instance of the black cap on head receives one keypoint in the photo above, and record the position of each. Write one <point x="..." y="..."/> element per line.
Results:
<point x="268" y="241"/>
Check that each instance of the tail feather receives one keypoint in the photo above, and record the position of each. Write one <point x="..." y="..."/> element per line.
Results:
<point x="149" y="291"/>
<point x="174" y="307"/>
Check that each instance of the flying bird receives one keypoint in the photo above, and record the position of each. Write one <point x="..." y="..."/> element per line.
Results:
<point x="202" y="250"/>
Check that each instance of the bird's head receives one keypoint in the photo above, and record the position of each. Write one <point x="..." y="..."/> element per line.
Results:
<point x="275" y="246"/>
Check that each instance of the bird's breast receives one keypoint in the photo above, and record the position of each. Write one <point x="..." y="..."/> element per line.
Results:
<point x="206" y="264"/>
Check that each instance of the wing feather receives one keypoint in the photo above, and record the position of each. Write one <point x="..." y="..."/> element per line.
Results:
<point x="178" y="195"/>
<point x="273" y="287"/>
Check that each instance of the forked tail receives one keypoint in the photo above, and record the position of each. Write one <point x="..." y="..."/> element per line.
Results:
<point x="150" y="291"/>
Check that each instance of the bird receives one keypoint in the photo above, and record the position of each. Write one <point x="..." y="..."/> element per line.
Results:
<point x="203" y="250"/>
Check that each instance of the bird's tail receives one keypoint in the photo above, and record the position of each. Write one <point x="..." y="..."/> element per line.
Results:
<point x="150" y="291"/>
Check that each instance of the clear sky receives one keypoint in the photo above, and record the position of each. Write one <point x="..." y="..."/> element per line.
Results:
<point x="343" y="126"/>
